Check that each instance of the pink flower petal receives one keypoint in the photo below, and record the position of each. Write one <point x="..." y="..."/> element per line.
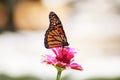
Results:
<point x="54" y="50"/>
<point x="49" y="59"/>
<point x="76" y="66"/>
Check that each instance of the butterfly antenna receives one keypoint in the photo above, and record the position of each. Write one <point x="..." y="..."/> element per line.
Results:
<point x="62" y="50"/>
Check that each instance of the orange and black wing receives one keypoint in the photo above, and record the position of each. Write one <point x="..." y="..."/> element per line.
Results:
<point x="55" y="35"/>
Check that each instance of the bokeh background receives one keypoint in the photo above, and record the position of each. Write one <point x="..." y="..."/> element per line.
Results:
<point x="92" y="27"/>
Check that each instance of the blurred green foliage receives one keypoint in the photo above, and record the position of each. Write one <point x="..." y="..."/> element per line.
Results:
<point x="118" y="78"/>
<point x="6" y="77"/>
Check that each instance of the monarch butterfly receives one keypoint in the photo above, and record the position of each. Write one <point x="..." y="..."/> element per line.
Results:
<point x="55" y="35"/>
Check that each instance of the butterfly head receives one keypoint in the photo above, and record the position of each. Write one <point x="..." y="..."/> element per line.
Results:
<point x="64" y="44"/>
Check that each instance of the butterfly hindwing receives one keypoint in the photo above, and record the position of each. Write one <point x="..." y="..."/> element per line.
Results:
<point x="55" y="35"/>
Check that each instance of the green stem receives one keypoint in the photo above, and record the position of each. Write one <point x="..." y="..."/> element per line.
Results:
<point x="58" y="74"/>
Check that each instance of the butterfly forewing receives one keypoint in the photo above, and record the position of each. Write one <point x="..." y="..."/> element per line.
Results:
<point x="55" y="35"/>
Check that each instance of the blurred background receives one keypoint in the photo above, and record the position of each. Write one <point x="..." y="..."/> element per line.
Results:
<point x="91" y="26"/>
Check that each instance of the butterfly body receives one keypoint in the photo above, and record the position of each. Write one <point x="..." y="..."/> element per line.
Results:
<point x="55" y="35"/>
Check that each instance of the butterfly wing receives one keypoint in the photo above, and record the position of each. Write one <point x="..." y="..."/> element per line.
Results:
<point x="55" y="35"/>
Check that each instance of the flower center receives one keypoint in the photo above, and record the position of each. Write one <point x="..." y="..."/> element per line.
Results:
<point x="63" y="58"/>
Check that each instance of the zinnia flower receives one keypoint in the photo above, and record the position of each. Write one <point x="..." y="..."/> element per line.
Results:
<point x="63" y="58"/>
